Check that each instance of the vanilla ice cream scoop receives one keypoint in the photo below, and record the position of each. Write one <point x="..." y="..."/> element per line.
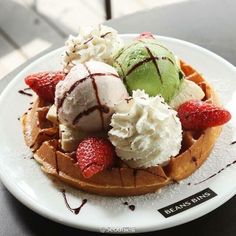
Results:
<point x="145" y="131"/>
<point x="85" y="99"/>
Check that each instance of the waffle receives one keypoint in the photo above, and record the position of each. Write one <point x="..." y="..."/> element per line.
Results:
<point x="42" y="137"/>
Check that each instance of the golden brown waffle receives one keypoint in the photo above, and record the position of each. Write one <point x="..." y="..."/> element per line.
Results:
<point x="42" y="137"/>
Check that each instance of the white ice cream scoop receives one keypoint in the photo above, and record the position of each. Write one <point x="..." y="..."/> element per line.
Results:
<point x="85" y="99"/>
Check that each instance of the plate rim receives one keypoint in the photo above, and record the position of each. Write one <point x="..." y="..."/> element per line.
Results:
<point x="40" y="209"/>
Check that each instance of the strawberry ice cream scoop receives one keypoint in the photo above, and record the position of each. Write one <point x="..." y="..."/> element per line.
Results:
<point x="85" y="99"/>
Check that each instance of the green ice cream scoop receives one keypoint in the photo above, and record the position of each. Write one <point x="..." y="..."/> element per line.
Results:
<point x="147" y="64"/>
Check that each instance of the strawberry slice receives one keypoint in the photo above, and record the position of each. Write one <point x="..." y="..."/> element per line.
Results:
<point x="95" y="155"/>
<point x="44" y="84"/>
<point x="198" y="115"/>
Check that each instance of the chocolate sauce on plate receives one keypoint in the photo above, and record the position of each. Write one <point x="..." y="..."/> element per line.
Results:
<point x="228" y="165"/>
<point x="76" y="210"/>
<point x="131" y="207"/>
<point x="24" y="93"/>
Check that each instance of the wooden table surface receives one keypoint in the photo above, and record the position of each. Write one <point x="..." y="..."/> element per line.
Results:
<point x="209" y="23"/>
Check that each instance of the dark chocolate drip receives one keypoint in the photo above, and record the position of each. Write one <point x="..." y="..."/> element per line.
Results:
<point x="24" y="93"/>
<point x="233" y="142"/>
<point x="154" y="62"/>
<point x="73" y="86"/>
<point x="100" y="108"/>
<point x="228" y="165"/>
<point x="135" y="66"/>
<point x="76" y="211"/>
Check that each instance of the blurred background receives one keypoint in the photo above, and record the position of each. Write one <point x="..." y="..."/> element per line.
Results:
<point x="27" y="27"/>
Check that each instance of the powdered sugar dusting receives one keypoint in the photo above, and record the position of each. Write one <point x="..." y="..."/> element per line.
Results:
<point x="222" y="154"/>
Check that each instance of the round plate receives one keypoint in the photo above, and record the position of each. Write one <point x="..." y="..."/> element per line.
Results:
<point x="24" y="179"/>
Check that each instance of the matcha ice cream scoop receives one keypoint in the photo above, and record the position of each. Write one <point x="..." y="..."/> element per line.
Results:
<point x="146" y="64"/>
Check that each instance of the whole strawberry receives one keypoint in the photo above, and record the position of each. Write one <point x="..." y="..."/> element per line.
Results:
<point x="94" y="155"/>
<point x="198" y="115"/>
<point x="44" y="84"/>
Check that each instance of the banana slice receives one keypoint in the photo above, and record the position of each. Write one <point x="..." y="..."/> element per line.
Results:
<point x="52" y="114"/>
<point x="70" y="137"/>
<point x="188" y="91"/>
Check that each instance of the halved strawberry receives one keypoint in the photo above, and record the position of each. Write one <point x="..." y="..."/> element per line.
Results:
<point x="94" y="155"/>
<point x="146" y="35"/>
<point x="44" y="83"/>
<point x="197" y="115"/>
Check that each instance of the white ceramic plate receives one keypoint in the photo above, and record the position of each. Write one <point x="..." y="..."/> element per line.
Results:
<point x="24" y="179"/>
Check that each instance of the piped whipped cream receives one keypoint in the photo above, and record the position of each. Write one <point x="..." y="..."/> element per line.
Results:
<point x="145" y="131"/>
<point x="97" y="43"/>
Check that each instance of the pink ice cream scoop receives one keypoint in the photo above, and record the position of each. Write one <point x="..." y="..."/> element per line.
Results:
<point x="85" y="99"/>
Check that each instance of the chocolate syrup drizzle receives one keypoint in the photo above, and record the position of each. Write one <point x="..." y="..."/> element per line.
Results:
<point x="73" y="86"/>
<point x="100" y="107"/>
<point x="228" y="165"/>
<point x="148" y="59"/>
<point x="154" y="62"/>
<point x="76" y="210"/>
<point x="102" y="36"/>
<point x="233" y="143"/>
<point x="134" y="67"/>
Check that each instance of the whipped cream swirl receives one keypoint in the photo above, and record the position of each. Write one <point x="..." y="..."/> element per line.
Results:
<point x="145" y="131"/>
<point x="97" y="43"/>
